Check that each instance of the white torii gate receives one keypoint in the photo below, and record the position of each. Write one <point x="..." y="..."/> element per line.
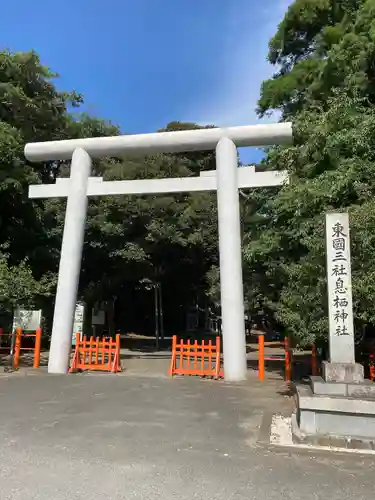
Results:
<point x="226" y="180"/>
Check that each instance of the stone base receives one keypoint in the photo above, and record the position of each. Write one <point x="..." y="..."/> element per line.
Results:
<point x="354" y="390"/>
<point x="343" y="372"/>
<point x="336" y="409"/>
<point x="341" y="442"/>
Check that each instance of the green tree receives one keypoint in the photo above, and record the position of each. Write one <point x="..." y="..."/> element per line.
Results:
<point x="32" y="109"/>
<point x="167" y="238"/>
<point x="324" y="52"/>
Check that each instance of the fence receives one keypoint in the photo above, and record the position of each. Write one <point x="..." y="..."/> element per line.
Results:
<point x="96" y="354"/>
<point x="202" y="359"/>
<point x="287" y="357"/>
<point x="11" y="343"/>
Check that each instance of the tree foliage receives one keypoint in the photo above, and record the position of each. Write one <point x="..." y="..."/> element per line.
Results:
<point x="324" y="54"/>
<point x="170" y="238"/>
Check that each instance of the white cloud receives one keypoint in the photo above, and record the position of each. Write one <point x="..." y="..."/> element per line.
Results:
<point x="241" y="71"/>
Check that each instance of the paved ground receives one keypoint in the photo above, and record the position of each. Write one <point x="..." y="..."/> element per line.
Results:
<point x="141" y="437"/>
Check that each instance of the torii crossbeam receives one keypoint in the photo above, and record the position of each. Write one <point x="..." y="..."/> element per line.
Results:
<point x="227" y="179"/>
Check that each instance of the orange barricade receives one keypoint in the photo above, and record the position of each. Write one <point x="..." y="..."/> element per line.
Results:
<point x="287" y="357"/>
<point x="372" y="367"/>
<point x="314" y="360"/>
<point x="18" y="346"/>
<point x="18" y="336"/>
<point x="195" y="359"/>
<point x="288" y="360"/>
<point x="96" y="354"/>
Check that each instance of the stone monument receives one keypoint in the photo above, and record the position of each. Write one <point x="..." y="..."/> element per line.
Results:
<point x="338" y="408"/>
<point x="78" y="321"/>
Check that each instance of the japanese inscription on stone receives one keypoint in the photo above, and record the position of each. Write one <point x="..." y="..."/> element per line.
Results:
<point x="78" y="321"/>
<point x="341" y="333"/>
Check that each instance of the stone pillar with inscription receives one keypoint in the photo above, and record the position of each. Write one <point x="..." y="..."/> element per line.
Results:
<point x="341" y="366"/>
<point x="337" y="408"/>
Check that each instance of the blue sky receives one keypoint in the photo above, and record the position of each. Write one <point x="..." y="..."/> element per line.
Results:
<point x="144" y="63"/>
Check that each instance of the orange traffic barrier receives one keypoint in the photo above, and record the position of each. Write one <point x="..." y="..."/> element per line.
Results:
<point x="314" y="360"/>
<point x="372" y="367"/>
<point x="18" y="347"/>
<point x="38" y="344"/>
<point x="288" y="360"/>
<point x="195" y="359"/>
<point x="287" y="357"/>
<point x="261" y="358"/>
<point x="96" y="354"/>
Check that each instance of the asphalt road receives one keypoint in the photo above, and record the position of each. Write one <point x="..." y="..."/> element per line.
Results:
<point x="117" y="437"/>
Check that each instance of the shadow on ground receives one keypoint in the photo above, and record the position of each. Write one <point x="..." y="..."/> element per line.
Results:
<point x="26" y="359"/>
<point x="145" y="355"/>
<point x="275" y="368"/>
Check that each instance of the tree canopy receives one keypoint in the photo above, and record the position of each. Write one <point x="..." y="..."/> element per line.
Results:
<point x="169" y="238"/>
<point x="324" y="52"/>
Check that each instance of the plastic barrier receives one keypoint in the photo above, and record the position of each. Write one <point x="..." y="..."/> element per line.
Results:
<point x="16" y="349"/>
<point x="287" y="357"/>
<point x="96" y="354"/>
<point x="195" y="359"/>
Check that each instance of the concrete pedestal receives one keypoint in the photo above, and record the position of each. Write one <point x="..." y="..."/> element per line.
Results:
<point x="338" y="410"/>
<point x="343" y="372"/>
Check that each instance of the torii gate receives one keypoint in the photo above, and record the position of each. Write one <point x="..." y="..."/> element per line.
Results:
<point x="227" y="179"/>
